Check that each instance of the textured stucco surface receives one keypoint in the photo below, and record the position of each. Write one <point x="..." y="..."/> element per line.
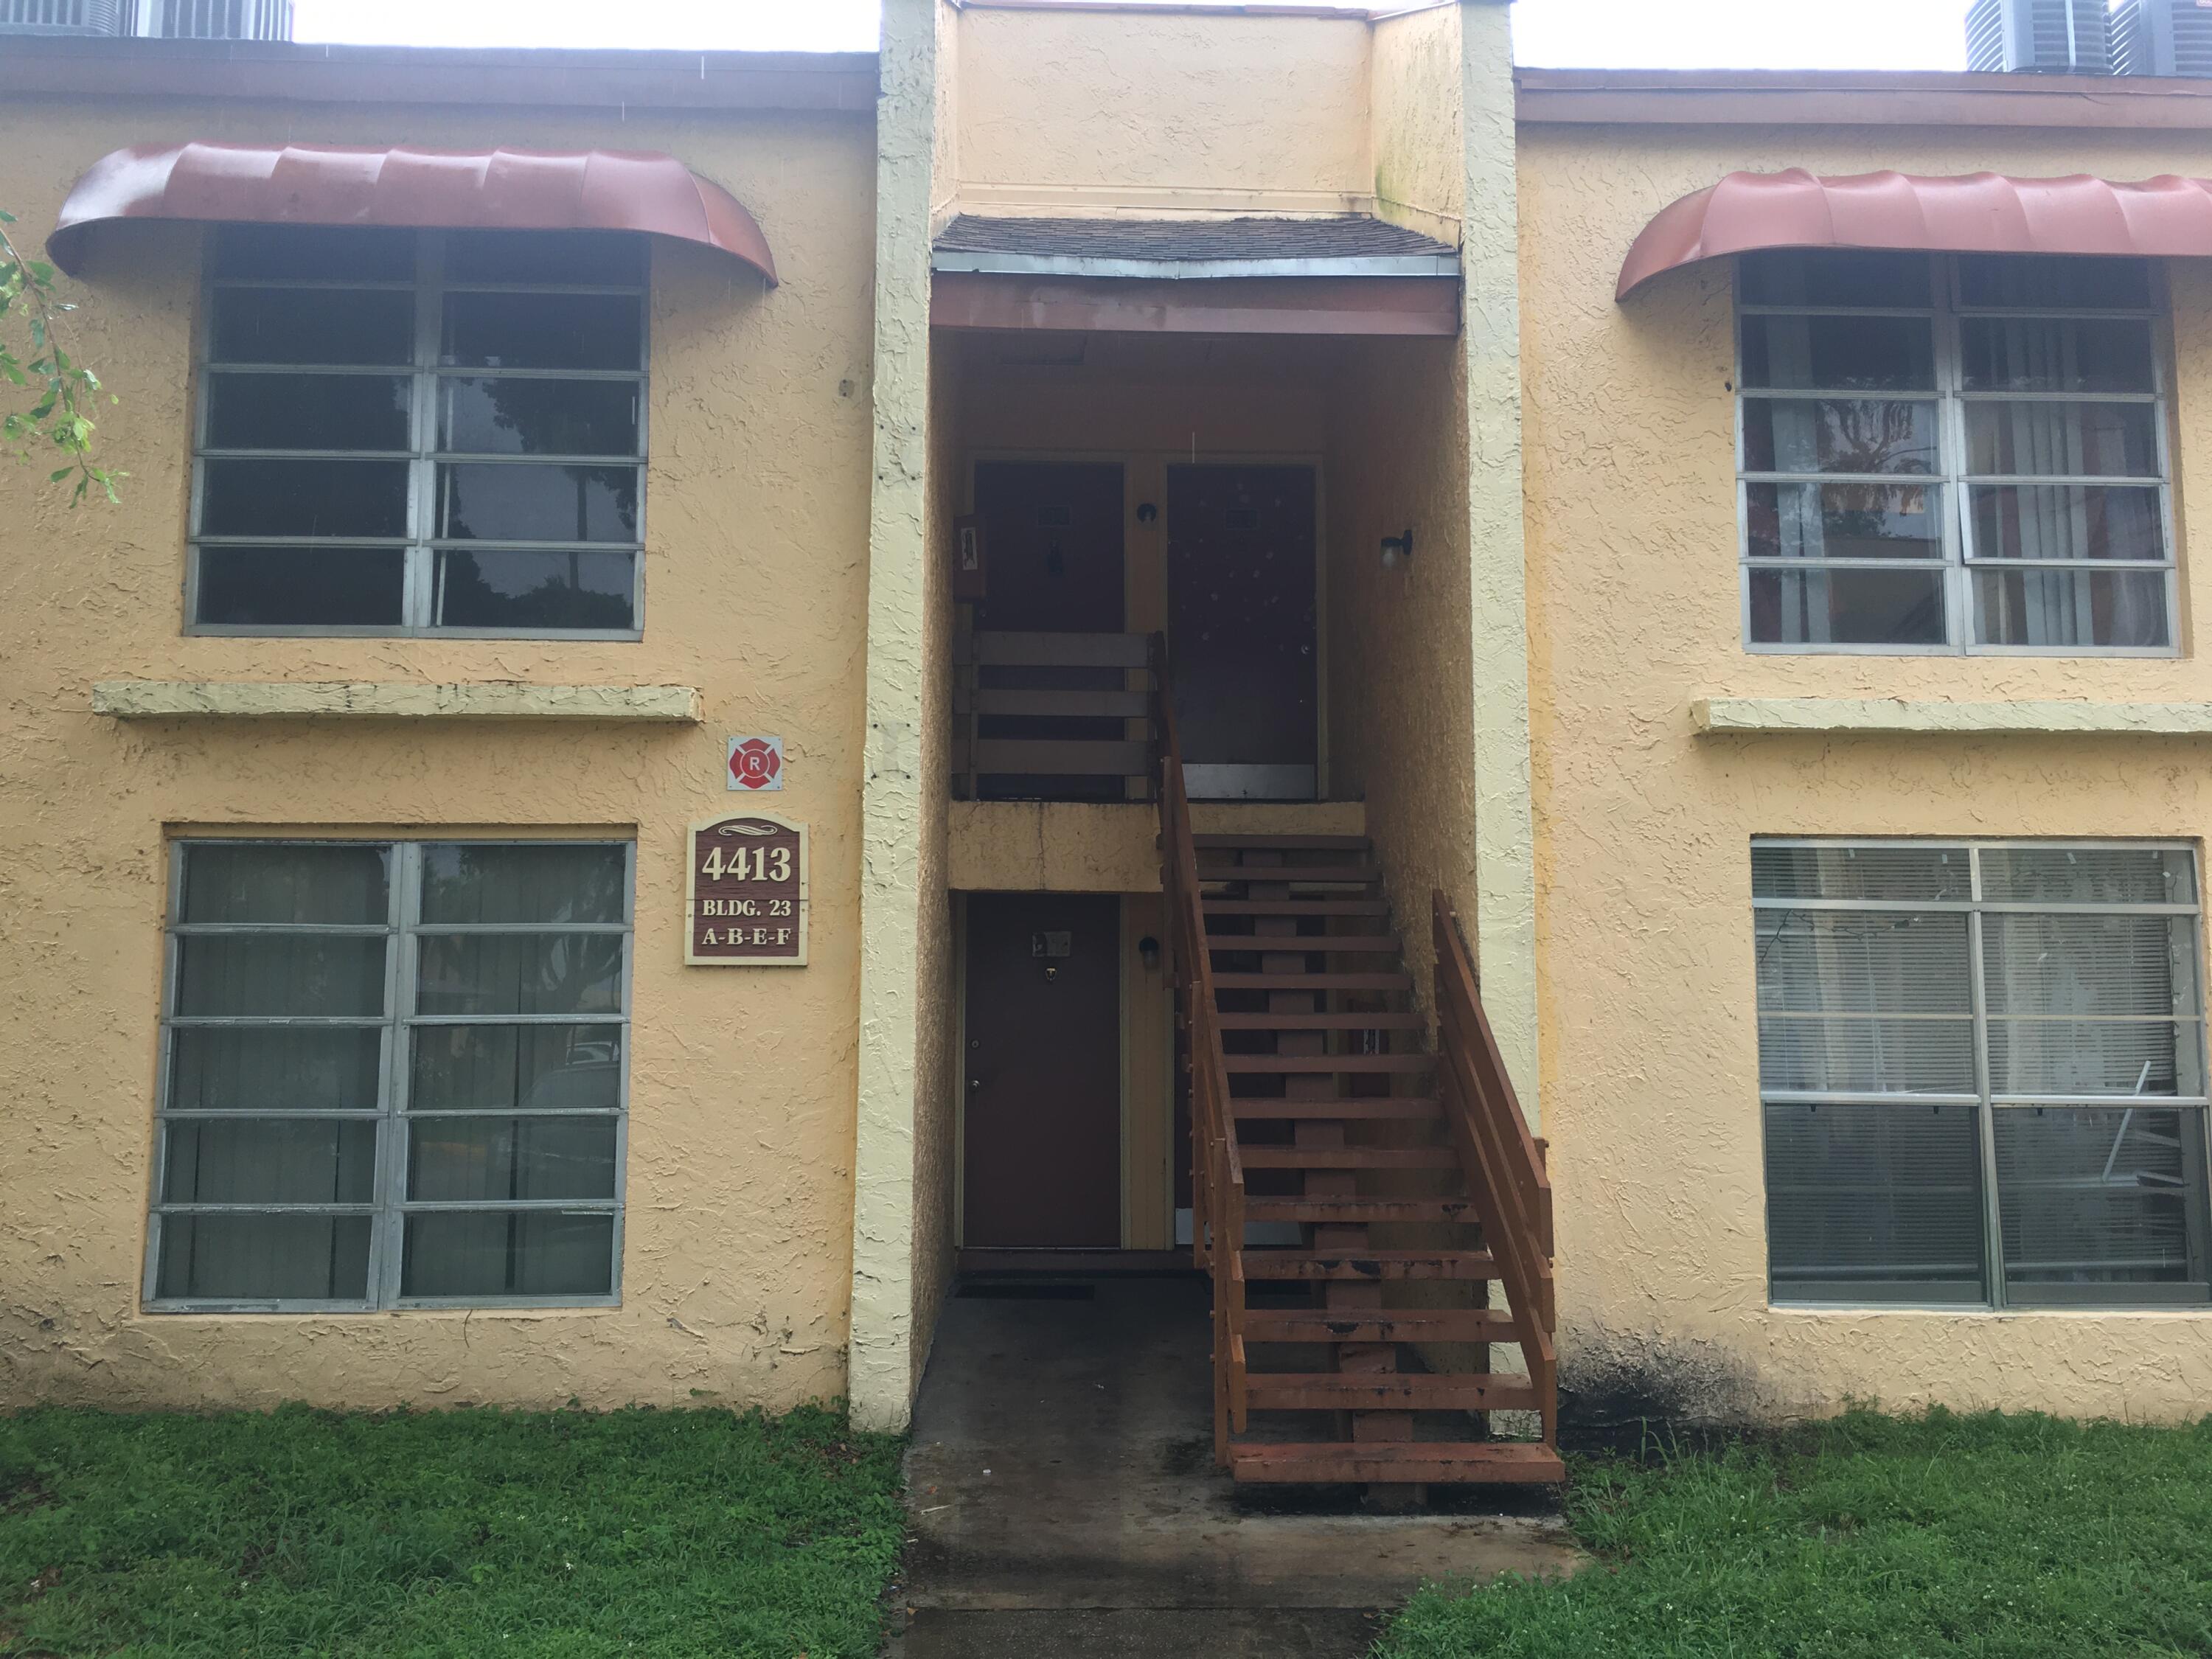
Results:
<point x="1650" y="1053"/>
<point x="391" y="700"/>
<point x="735" y="1274"/>
<point x="2028" y="714"/>
<point x="1502" y="916"/>
<point x="1402" y="681"/>
<point x="936" y="1086"/>
<point x="1106" y="111"/>
<point x="902" y="796"/>
<point x="1414" y="108"/>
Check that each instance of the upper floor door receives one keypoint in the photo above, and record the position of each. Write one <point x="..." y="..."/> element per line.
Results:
<point x="1242" y="634"/>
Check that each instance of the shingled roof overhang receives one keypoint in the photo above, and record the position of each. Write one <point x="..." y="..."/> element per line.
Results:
<point x="1190" y="249"/>
<point x="1347" y="274"/>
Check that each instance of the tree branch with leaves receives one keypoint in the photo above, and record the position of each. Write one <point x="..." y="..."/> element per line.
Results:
<point x="56" y="425"/>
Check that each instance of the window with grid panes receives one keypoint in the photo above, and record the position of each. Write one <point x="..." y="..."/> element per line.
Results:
<point x="392" y="1074"/>
<point x="1956" y="452"/>
<point x="420" y="432"/>
<point x="1981" y="1073"/>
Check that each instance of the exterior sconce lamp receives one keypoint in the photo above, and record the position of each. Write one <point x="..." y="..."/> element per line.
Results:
<point x="1397" y="550"/>
<point x="1148" y="952"/>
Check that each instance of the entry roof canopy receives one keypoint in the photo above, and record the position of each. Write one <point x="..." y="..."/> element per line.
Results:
<point x="1971" y="213"/>
<point x="640" y="190"/>
<point x="1344" y="244"/>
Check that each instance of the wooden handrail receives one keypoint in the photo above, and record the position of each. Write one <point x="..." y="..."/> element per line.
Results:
<point x="1504" y="1162"/>
<point x="1216" y="1170"/>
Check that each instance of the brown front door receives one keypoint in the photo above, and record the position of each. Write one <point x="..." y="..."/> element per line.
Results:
<point x="1242" y="636"/>
<point x="1044" y="1074"/>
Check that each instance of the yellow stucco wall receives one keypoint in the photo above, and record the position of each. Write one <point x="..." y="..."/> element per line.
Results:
<point x="733" y="1287"/>
<point x="1401" y="685"/>
<point x="1093" y="110"/>
<point x="1415" y="107"/>
<point x="1650" y="1060"/>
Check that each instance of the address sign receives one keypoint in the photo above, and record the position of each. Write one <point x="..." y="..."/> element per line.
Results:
<point x="748" y="893"/>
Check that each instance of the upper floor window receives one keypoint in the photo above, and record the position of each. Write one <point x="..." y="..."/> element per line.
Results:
<point x="1961" y="452"/>
<point x="420" y="432"/>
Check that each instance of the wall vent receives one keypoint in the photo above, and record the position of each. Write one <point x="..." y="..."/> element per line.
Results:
<point x="2162" y="36"/>
<point x="2040" y="37"/>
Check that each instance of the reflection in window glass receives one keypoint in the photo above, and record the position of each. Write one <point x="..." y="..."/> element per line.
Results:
<point x="2037" y="422"/>
<point x="575" y="589"/>
<point x="1883" y="972"/>
<point x="476" y="348"/>
<point x="325" y="1098"/>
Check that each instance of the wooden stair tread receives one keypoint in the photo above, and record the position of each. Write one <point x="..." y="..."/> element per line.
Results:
<point x="1316" y="1064"/>
<point x="1467" y="1391"/>
<point x="1312" y="981"/>
<point x="1292" y="874"/>
<point x="1295" y="906"/>
<point x="1352" y="945"/>
<point x="1276" y="843"/>
<point x="1398" y="1462"/>
<point x="1354" y="1211"/>
<point x="1347" y="1157"/>
<point x="1416" y="1107"/>
<point x="1368" y="1264"/>
<point x="1332" y="1022"/>
<point x="1387" y="1325"/>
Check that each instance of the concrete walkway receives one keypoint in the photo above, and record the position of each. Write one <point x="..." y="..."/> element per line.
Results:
<point x="1064" y="1502"/>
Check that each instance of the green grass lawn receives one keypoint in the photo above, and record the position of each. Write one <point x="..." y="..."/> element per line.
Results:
<point x="471" y="1532"/>
<point x="1999" y="1537"/>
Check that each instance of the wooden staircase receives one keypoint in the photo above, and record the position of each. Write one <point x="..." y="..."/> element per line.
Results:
<point x="1356" y="1194"/>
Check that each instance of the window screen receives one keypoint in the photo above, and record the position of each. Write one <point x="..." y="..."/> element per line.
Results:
<point x="1946" y="453"/>
<point x="421" y="432"/>
<point x="1981" y="1073"/>
<point x="394" y="1074"/>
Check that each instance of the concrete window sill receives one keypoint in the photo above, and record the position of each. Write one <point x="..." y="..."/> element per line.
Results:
<point x="2028" y="717"/>
<point x="171" y="699"/>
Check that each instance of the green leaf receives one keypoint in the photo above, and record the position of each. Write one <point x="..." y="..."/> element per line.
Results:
<point x="59" y="473"/>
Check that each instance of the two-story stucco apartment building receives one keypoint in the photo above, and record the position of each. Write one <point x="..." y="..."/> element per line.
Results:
<point x="728" y="685"/>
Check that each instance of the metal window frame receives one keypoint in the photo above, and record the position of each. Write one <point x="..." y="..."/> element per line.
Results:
<point x="422" y="546"/>
<point x="389" y="1206"/>
<point x="2195" y="1110"/>
<point x="1956" y="564"/>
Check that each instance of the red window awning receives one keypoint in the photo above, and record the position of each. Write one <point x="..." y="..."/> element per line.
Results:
<point x="1971" y="213"/>
<point x="331" y="185"/>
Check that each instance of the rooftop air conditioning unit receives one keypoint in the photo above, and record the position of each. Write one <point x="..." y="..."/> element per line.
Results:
<point x="62" y="17"/>
<point x="216" y="20"/>
<point x="168" y="20"/>
<point x="2041" y="37"/>
<point x="2162" y="36"/>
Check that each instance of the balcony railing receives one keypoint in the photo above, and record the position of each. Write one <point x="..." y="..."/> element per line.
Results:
<point x="1055" y="716"/>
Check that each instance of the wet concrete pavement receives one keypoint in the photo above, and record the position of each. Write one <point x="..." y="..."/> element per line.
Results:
<point x="1064" y="1502"/>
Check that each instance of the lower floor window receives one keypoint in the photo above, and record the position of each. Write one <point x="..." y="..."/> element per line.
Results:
<point x="392" y="1074"/>
<point x="1981" y="1073"/>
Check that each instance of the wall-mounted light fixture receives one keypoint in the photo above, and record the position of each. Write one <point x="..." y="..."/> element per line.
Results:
<point x="1148" y="952"/>
<point x="1397" y="550"/>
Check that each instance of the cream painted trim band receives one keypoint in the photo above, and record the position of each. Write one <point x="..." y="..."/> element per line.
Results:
<point x="1723" y="716"/>
<point x="161" y="700"/>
